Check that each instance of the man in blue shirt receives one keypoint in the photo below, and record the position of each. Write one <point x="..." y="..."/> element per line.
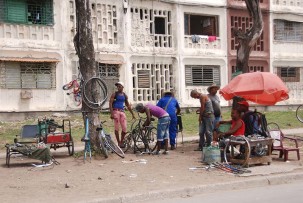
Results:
<point x="170" y="104"/>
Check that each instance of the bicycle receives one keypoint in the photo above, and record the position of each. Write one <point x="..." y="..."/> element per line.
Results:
<point x="76" y="90"/>
<point x="141" y="138"/>
<point x="299" y="113"/>
<point x="106" y="144"/>
<point x="93" y="92"/>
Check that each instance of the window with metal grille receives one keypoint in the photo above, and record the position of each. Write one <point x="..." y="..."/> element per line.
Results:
<point x="108" y="70"/>
<point x="202" y="75"/>
<point x="289" y="31"/>
<point x="143" y="78"/>
<point x="28" y="75"/>
<point x="201" y="25"/>
<point x="27" y="11"/>
<point x="289" y="74"/>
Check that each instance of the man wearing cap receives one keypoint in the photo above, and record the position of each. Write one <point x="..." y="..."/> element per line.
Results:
<point x="206" y="119"/>
<point x="215" y="100"/>
<point x="163" y="123"/>
<point x="251" y="121"/>
<point x="116" y="106"/>
<point x="170" y="104"/>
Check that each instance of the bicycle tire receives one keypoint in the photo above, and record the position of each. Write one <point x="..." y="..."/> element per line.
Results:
<point x="299" y="113"/>
<point x="152" y="139"/>
<point x="95" y="93"/>
<point x="70" y="146"/>
<point x="103" y="149"/>
<point x="137" y="139"/>
<point x="115" y="148"/>
<point x="128" y="142"/>
<point x="247" y="151"/>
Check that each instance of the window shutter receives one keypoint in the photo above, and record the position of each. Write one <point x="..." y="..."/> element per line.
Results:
<point x="143" y="79"/>
<point x="197" y="73"/>
<point x="202" y="75"/>
<point x="217" y="75"/>
<point x="47" y="13"/>
<point x="188" y="75"/>
<point x="12" y="76"/>
<point x="16" y="11"/>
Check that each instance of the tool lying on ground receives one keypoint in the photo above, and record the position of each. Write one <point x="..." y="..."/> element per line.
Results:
<point x="231" y="169"/>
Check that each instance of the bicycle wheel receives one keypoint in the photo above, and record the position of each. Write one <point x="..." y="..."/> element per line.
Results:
<point x="128" y="142"/>
<point x="115" y="148"/>
<point x="138" y="140"/>
<point x="103" y="149"/>
<point x="299" y="113"/>
<point x="245" y="152"/>
<point x="70" y="146"/>
<point x="152" y="139"/>
<point x="94" y="93"/>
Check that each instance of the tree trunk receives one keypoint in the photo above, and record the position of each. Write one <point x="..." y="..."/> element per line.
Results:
<point x="248" y="39"/>
<point x="83" y="42"/>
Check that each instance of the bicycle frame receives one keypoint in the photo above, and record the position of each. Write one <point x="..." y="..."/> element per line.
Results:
<point x="76" y="90"/>
<point x="87" y="148"/>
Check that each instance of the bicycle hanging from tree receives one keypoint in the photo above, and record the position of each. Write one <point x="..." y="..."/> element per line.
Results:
<point x="93" y="91"/>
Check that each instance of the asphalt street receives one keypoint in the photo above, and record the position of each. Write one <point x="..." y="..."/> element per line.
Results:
<point x="290" y="193"/>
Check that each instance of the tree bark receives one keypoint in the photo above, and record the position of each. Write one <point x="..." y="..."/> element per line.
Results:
<point x="83" y="42"/>
<point x="248" y="39"/>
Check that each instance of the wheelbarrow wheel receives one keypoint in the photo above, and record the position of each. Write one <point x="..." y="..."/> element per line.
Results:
<point x="70" y="146"/>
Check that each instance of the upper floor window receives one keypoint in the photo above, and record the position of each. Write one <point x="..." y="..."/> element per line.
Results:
<point x="289" y="74"/>
<point x="28" y="75"/>
<point x="288" y="31"/>
<point x="202" y="75"/>
<point x="27" y="11"/>
<point x="200" y="25"/>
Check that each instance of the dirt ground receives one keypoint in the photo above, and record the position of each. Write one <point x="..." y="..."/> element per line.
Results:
<point x="76" y="181"/>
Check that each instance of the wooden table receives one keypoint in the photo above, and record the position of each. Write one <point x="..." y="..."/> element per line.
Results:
<point x="251" y="145"/>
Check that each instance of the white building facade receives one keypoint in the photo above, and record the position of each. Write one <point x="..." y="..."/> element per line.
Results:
<point x="149" y="45"/>
<point x="287" y="46"/>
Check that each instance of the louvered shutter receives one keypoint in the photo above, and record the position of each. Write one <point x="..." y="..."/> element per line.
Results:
<point x="16" y="11"/>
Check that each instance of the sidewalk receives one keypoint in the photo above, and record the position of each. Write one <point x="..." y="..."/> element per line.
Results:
<point x="135" y="178"/>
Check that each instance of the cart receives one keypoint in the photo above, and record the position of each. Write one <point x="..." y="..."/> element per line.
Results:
<point x="55" y="135"/>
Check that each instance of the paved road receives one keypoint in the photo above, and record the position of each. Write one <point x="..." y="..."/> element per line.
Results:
<point x="287" y="193"/>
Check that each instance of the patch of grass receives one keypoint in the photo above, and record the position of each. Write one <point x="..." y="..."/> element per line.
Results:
<point x="8" y="130"/>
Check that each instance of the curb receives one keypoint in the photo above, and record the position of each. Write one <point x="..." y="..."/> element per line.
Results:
<point x="202" y="189"/>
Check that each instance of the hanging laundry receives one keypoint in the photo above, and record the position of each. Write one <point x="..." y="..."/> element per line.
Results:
<point x="212" y="38"/>
<point x="195" y="38"/>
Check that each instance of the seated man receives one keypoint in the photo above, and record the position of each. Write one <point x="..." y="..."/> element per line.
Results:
<point x="250" y="119"/>
<point x="237" y="127"/>
<point x="163" y="123"/>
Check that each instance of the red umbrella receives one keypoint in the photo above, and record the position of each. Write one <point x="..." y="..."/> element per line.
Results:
<point x="259" y="87"/>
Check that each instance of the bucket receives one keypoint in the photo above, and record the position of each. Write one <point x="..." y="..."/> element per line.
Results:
<point x="211" y="154"/>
